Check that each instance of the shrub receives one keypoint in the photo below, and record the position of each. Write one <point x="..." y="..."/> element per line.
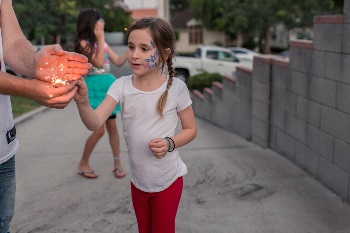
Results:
<point x="202" y="80"/>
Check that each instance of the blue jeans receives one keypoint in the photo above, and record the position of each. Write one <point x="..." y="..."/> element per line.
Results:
<point x="7" y="194"/>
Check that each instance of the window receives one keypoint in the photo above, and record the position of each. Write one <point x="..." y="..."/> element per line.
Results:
<point x="221" y="56"/>
<point x="196" y="34"/>
<point x="212" y="55"/>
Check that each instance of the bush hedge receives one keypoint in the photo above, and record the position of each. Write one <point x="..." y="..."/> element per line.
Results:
<point x="202" y="80"/>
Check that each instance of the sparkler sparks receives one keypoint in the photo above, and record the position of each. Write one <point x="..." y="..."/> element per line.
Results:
<point x="54" y="80"/>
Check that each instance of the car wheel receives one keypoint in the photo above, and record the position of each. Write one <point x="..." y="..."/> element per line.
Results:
<point x="182" y="75"/>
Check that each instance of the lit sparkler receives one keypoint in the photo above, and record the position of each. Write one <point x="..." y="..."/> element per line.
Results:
<point x="56" y="81"/>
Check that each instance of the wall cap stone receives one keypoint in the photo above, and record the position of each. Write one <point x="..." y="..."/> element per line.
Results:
<point x="328" y="19"/>
<point x="218" y="85"/>
<point x="208" y="91"/>
<point x="303" y="44"/>
<point x="244" y="69"/>
<point x="280" y="61"/>
<point x="198" y="94"/>
<point x="262" y="59"/>
<point x="230" y="78"/>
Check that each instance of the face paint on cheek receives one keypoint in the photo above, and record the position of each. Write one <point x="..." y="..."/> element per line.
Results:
<point x="151" y="62"/>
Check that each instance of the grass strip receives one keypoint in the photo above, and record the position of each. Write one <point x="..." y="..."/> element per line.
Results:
<point x="22" y="105"/>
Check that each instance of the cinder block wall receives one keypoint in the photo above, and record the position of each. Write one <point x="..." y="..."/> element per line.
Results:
<point x="299" y="108"/>
<point x="227" y="104"/>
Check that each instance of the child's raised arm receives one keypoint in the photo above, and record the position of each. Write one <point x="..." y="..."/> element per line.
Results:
<point x="93" y="119"/>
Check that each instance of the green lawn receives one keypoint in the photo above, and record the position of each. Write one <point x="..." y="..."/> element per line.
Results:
<point x="22" y="105"/>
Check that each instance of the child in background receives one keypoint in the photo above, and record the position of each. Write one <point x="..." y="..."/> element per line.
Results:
<point x="152" y="103"/>
<point x="91" y="42"/>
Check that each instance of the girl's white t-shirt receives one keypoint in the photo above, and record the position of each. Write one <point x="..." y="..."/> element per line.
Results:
<point x="141" y="124"/>
<point x="7" y="149"/>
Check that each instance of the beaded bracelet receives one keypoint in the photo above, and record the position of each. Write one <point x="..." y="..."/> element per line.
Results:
<point x="169" y="148"/>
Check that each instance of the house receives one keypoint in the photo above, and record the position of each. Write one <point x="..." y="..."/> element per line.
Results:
<point x="140" y="8"/>
<point x="191" y="32"/>
<point x="140" y="13"/>
<point x="281" y="36"/>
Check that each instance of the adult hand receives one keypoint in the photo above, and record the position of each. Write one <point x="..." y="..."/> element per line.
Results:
<point x="49" y="96"/>
<point x="52" y="63"/>
<point x="159" y="147"/>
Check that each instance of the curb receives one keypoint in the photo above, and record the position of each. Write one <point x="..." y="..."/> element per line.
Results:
<point x="28" y="115"/>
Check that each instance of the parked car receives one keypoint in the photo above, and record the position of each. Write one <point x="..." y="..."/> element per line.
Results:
<point x="284" y="53"/>
<point x="243" y="53"/>
<point x="213" y="59"/>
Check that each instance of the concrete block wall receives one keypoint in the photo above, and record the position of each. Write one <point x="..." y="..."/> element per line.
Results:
<point x="227" y="105"/>
<point x="299" y="107"/>
<point x="261" y="96"/>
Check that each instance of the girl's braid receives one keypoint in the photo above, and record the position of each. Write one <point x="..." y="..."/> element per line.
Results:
<point x="162" y="100"/>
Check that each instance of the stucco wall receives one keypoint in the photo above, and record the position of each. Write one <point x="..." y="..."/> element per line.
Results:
<point x="209" y="38"/>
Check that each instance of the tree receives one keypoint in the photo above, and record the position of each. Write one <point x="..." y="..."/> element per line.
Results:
<point x="48" y="21"/>
<point x="255" y="17"/>
<point x="177" y="6"/>
<point x="116" y="17"/>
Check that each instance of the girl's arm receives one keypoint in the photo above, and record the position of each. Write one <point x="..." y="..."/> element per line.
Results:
<point x="189" y="128"/>
<point x="97" y="58"/>
<point x="116" y="60"/>
<point x="159" y="146"/>
<point x="93" y="119"/>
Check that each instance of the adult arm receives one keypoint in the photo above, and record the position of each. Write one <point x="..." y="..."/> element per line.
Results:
<point x="18" y="51"/>
<point x="37" y="90"/>
<point x="51" y="61"/>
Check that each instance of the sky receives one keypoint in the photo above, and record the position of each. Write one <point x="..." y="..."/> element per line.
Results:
<point x="137" y="4"/>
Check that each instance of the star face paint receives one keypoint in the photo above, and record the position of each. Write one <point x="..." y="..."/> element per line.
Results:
<point x="151" y="62"/>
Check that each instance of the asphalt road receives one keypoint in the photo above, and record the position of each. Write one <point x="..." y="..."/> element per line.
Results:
<point x="232" y="186"/>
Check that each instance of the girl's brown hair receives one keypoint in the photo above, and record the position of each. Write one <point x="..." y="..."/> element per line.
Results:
<point x="85" y="31"/>
<point x="163" y="37"/>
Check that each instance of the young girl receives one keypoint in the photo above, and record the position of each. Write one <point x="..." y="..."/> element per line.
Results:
<point x="90" y="41"/>
<point x="151" y="104"/>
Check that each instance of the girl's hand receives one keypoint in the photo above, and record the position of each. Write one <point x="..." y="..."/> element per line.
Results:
<point x="159" y="147"/>
<point x="81" y="96"/>
<point x="99" y="31"/>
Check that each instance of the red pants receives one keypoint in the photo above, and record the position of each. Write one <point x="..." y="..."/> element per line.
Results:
<point x="156" y="212"/>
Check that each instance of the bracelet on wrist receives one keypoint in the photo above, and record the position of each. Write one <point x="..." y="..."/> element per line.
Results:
<point x="171" y="144"/>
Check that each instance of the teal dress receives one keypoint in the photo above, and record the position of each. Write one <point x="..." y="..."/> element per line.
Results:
<point x="98" y="85"/>
<point x="98" y="82"/>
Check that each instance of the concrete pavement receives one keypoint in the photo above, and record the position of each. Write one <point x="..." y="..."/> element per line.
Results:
<point x="233" y="186"/>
